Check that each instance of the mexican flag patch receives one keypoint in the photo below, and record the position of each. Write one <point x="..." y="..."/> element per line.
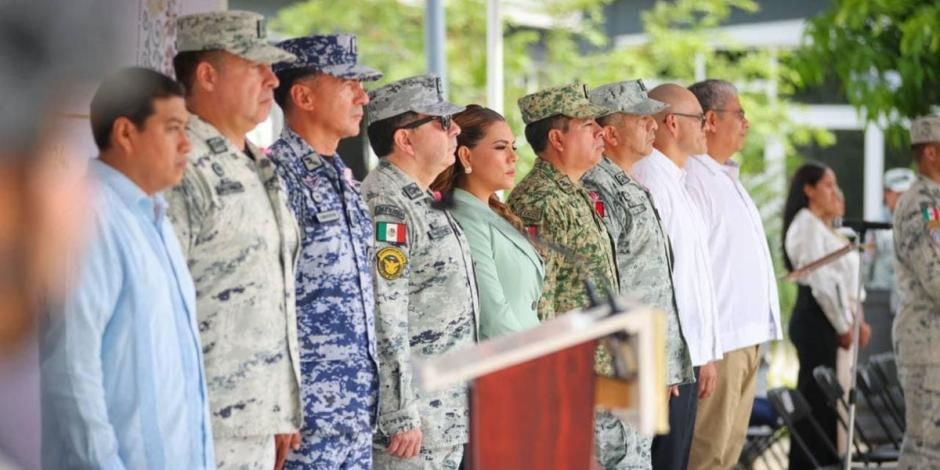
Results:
<point x="391" y="233"/>
<point x="932" y="216"/>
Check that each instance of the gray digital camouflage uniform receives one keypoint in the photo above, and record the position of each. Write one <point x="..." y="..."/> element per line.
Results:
<point x="426" y="304"/>
<point x="644" y="263"/>
<point x="916" y="331"/>
<point x="240" y="240"/>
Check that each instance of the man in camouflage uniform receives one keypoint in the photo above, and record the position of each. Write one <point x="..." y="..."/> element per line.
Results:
<point x="240" y="239"/>
<point x="425" y="292"/>
<point x="916" y="329"/>
<point x="322" y="98"/>
<point x="554" y="207"/>
<point x="643" y="252"/>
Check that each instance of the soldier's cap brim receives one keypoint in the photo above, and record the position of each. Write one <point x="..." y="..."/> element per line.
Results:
<point x="585" y="111"/>
<point x="441" y="108"/>
<point x="264" y="53"/>
<point x="353" y="72"/>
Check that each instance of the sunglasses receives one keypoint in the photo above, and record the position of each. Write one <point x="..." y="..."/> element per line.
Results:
<point x="699" y="116"/>
<point x="444" y="120"/>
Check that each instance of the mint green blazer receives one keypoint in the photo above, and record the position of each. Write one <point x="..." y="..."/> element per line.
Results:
<point x="508" y="270"/>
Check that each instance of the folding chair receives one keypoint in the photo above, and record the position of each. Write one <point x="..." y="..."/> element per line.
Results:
<point x="886" y="367"/>
<point x="835" y="396"/>
<point x="872" y="387"/>
<point x="793" y="409"/>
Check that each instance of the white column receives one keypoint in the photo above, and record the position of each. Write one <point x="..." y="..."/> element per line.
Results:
<point x="874" y="170"/>
<point x="700" y="73"/>
<point x="494" y="56"/>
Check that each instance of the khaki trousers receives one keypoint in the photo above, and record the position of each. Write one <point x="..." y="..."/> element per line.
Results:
<point x="721" y="419"/>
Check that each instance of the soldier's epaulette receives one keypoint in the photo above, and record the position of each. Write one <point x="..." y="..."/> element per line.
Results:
<point x="388" y="210"/>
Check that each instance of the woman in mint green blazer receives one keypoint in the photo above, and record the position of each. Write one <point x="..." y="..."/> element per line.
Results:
<point x="508" y="270"/>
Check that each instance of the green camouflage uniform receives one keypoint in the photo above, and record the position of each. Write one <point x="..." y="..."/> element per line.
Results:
<point x="560" y="211"/>
<point x="916" y="331"/>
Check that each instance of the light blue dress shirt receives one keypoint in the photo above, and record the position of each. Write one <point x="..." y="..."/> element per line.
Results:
<point x="122" y="378"/>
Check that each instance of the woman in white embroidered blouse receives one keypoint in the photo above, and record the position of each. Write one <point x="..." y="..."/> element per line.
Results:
<point x="822" y="317"/>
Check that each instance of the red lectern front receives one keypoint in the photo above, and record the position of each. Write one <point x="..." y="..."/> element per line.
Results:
<point x="533" y="393"/>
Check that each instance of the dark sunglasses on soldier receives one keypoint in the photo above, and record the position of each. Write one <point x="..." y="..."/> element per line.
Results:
<point x="444" y="120"/>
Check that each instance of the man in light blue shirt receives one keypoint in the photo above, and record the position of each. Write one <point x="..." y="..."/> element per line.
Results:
<point x="122" y="378"/>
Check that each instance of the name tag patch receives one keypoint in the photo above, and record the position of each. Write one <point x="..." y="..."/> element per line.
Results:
<point x="392" y="211"/>
<point x="326" y="217"/>
<point x="227" y="186"/>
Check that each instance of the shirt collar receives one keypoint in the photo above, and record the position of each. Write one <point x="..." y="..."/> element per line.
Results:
<point x="730" y="167"/>
<point x="662" y="161"/>
<point x="153" y="207"/>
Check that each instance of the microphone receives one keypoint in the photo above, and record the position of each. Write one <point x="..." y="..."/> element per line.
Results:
<point x="865" y="225"/>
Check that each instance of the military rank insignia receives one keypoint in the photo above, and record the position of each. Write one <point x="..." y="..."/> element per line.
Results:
<point x="217" y="145"/>
<point x="396" y="234"/>
<point x="598" y="204"/>
<point x="390" y="262"/>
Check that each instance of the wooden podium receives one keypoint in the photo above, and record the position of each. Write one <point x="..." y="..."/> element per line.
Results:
<point x="533" y="393"/>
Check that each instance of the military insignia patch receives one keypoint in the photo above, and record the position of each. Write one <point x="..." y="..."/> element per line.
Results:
<point x="932" y="216"/>
<point x="391" y="233"/>
<point x="413" y="191"/>
<point x="622" y="178"/>
<point x="217" y="169"/>
<point x="216" y="145"/>
<point x="532" y="230"/>
<point x="438" y="232"/>
<point x="598" y="204"/>
<point x="390" y="262"/>
<point x="311" y="163"/>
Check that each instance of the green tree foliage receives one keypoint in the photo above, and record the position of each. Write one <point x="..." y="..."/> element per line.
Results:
<point x="885" y="54"/>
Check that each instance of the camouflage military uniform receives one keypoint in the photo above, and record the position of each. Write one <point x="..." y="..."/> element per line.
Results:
<point x="231" y="216"/>
<point x="916" y="330"/>
<point x="335" y="303"/>
<point x="335" y="300"/>
<point x="561" y="211"/>
<point x="426" y="304"/>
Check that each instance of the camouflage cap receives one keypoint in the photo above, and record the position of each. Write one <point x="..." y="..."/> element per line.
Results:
<point x="420" y="94"/>
<point x="240" y="32"/>
<point x="925" y="129"/>
<point x="627" y="97"/>
<point x="333" y="54"/>
<point x="568" y="100"/>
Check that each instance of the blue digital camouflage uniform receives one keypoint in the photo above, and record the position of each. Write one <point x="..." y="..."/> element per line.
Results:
<point x="335" y="302"/>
